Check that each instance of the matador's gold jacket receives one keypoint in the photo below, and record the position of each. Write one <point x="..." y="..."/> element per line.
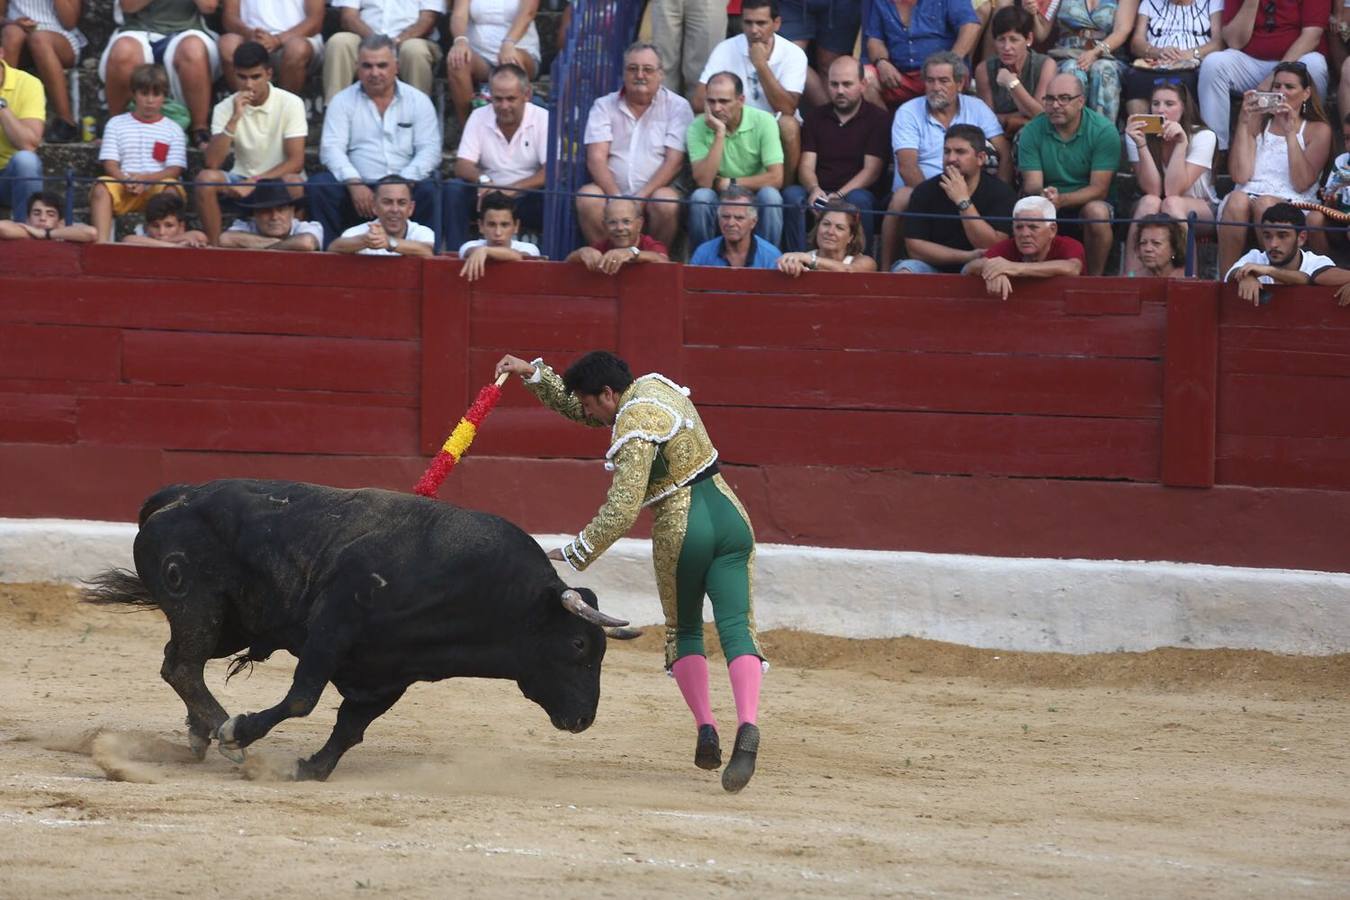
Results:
<point x="659" y="446"/>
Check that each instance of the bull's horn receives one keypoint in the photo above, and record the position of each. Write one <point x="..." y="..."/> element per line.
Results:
<point x="574" y="604"/>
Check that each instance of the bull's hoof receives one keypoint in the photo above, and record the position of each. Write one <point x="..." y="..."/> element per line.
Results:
<point x="198" y="743"/>
<point x="742" y="766"/>
<point x="708" y="751"/>
<point x="623" y="633"/>
<point x="227" y="745"/>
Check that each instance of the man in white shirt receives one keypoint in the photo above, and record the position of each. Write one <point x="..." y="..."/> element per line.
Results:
<point x="773" y="70"/>
<point x="635" y="148"/>
<point x="379" y="126"/>
<point x="264" y="128"/>
<point x="273" y="224"/>
<point x="1283" y="260"/>
<point x="289" y="31"/>
<point x="390" y="233"/>
<point x="410" y="24"/>
<point x="504" y="148"/>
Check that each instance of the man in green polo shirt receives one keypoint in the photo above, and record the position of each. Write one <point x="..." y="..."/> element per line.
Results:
<point x="23" y="115"/>
<point x="734" y="144"/>
<point x="1069" y="154"/>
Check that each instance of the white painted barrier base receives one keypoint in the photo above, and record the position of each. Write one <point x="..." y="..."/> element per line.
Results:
<point x="1067" y="606"/>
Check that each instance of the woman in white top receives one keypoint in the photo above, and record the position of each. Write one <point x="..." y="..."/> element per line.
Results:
<point x="46" y="29"/>
<point x="488" y="33"/>
<point x="1172" y="37"/>
<point x="1174" y="175"/>
<point x="1277" y="154"/>
<point x="838" y="239"/>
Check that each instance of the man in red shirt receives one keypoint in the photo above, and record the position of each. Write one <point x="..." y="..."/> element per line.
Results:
<point x="1035" y="250"/>
<point x="624" y="242"/>
<point x="1259" y="35"/>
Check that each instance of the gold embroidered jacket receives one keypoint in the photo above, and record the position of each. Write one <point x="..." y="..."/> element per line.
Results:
<point x="659" y="445"/>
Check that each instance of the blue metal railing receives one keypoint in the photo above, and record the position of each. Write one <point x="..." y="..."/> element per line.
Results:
<point x="589" y="65"/>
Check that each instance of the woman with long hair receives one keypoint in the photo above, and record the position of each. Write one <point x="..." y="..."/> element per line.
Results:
<point x="1277" y="155"/>
<point x="1173" y="168"/>
<point x="837" y="242"/>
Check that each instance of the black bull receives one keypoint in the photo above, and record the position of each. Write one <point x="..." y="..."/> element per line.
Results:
<point x="371" y="590"/>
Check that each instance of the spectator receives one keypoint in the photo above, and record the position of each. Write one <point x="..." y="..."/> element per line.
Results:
<point x="263" y="126"/>
<point x="498" y="225"/>
<point x="920" y="129"/>
<point x="845" y="144"/>
<point x="1069" y="155"/>
<point x="390" y="233"/>
<point x="379" y="126"/>
<point x="832" y="27"/>
<point x="1010" y="80"/>
<point x="1259" y="35"/>
<point x="48" y="30"/>
<point x="1282" y="259"/>
<point x="1036" y="250"/>
<point x="1174" y="173"/>
<point x="43" y="223"/>
<point x="409" y="24"/>
<point x="139" y="148"/>
<point x="273" y="224"/>
<point x="171" y="33"/>
<point x="290" y="31"/>
<point x="685" y="33"/>
<point x="962" y="190"/>
<point x="635" y="147"/>
<point x="1277" y="155"/>
<point x="1089" y="37"/>
<point x="738" y="246"/>
<point x="898" y="49"/>
<point x="504" y="148"/>
<point x="1173" y="38"/>
<point x="734" y="145"/>
<point x="166" y="225"/>
<point x="22" y="117"/>
<point x="624" y="243"/>
<point x="774" y="70"/>
<point x="488" y="34"/>
<point x="1160" y="247"/>
<point x="837" y="244"/>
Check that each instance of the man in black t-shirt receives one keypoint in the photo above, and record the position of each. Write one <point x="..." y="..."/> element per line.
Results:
<point x="942" y="245"/>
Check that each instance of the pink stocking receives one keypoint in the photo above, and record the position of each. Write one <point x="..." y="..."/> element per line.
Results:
<point x="746" y="673"/>
<point x="691" y="674"/>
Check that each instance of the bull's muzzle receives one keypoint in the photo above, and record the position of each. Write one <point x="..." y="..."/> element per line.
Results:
<point x="573" y="603"/>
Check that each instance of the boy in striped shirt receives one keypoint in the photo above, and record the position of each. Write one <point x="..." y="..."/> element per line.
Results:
<point x="140" y="146"/>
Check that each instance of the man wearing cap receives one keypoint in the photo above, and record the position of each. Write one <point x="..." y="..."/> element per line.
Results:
<point x="273" y="224"/>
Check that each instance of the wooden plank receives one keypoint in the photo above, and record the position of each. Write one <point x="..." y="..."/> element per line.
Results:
<point x="503" y="321"/>
<point x="881" y="284"/>
<point x="444" y="374"/>
<point x="37" y="418"/>
<point x="973" y="325"/>
<point x="59" y="353"/>
<point x="263" y="271"/>
<point x="1276" y="405"/>
<point x="651" y="318"/>
<point x="946" y="443"/>
<point x="1290" y="308"/>
<point x="1289" y="462"/>
<point x="1285" y="362"/>
<point x="1305" y="340"/>
<point x="1190" y="386"/>
<point x="270" y="427"/>
<point x="92" y="389"/>
<point x="926" y="381"/>
<point x="1098" y="302"/>
<point x="271" y="361"/>
<point x="544" y="279"/>
<point x="78" y="481"/>
<point x="34" y="258"/>
<point x="211" y="306"/>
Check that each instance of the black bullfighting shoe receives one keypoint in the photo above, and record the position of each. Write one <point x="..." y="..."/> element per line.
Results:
<point x="708" y="753"/>
<point x="742" y="766"/>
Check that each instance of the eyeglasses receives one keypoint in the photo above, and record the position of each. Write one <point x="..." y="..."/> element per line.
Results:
<point x="1059" y="99"/>
<point x="641" y="70"/>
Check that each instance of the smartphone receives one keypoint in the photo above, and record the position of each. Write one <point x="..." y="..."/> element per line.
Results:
<point x="820" y="203"/>
<point x="1267" y="99"/>
<point x="1152" y="124"/>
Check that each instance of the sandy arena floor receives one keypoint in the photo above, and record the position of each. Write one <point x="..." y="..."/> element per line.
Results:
<point x="889" y="768"/>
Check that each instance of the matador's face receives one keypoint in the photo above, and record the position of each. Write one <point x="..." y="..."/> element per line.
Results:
<point x="603" y="407"/>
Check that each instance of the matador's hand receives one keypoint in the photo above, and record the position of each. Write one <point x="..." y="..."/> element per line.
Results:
<point x="514" y="365"/>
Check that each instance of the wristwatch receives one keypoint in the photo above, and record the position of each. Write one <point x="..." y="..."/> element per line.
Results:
<point x="393" y="244"/>
<point x="635" y="251"/>
<point x="963" y="205"/>
<point x="815" y="260"/>
<point x="484" y="179"/>
<point x="1014" y="84"/>
<point x="4" y="104"/>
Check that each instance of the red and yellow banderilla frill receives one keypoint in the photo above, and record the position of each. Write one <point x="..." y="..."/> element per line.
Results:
<point x="455" y="446"/>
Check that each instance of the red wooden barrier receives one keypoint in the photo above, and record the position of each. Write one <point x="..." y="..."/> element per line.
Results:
<point x="877" y="411"/>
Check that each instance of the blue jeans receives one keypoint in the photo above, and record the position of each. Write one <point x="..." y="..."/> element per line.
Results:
<point x="703" y="215"/>
<point x="330" y="204"/>
<point x="794" y="216"/>
<point x="19" y="180"/>
<point x="461" y="209"/>
<point x="915" y="267"/>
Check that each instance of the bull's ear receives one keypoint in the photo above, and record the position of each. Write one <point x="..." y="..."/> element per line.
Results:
<point x="170" y="493"/>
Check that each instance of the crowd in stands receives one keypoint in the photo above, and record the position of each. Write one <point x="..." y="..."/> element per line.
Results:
<point x="1006" y="139"/>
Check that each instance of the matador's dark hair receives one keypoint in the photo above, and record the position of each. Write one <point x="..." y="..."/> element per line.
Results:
<point x="596" y="371"/>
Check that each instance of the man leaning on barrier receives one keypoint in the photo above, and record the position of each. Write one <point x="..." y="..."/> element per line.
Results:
<point x="1036" y="250"/>
<point x="739" y="245"/>
<point x="624" y="243"/>
<point x="1283" y="260"/>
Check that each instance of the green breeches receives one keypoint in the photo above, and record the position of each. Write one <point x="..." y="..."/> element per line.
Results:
<point x="715" y="557"/>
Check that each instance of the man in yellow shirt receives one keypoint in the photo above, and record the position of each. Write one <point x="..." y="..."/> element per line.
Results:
<point x="23" y="112"/>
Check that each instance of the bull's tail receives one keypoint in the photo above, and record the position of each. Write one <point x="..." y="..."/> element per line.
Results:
<point x="118" y="586"/>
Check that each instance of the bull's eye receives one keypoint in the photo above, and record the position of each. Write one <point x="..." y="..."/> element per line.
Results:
<point x="579" y="644"/>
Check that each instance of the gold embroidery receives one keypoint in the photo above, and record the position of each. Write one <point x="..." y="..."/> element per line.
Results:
<point x="550" y="391"/>
<point x="669" y="524"/>
<point x="632" y="465"/>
